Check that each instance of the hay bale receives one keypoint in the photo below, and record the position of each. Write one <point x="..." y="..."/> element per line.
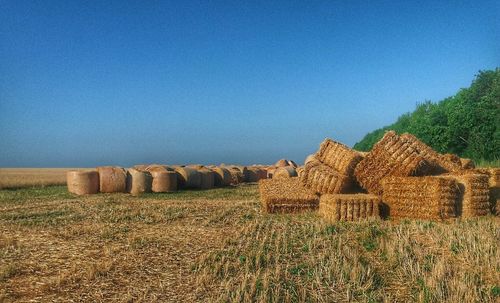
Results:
<point x="467" y="163"/>
<point x="222" y="176"/>
<point x="354" y="207"/>
<point x="112" y="179"/>
<point x="338" y="156"/>
<point x="473" y="199"/>
<point x="391" y="156"/>
<point x="141" y="167"/>
<point x="286" y="195"/>
<point x="429" y="198"/>
<point x="207" y="178"/>
<point x="158" y="167"/>
<point x="138" y="182"/>
<point x="262" y="173"/>
<point x="311" y="157"/>
<point x="281" y="163"/>
<point x="251" y="174"/>
<point x="163" y="181"/>
<point x="82" y="182"/>
<point x="188" y="177"/>
<point x="300" y="171"/>
<point x="270" y="172"/>
<point x="285" y="172"/>
<point x="236" y="176"/>
<point x="323" y="179"/>
<point x="439" y="163"/>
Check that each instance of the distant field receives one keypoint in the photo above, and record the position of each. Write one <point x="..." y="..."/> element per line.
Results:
<point x="217" y="246"/>
<point x="26" y="177"/>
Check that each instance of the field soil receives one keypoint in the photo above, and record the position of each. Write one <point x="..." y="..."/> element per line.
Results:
<point x="217" y="246"/>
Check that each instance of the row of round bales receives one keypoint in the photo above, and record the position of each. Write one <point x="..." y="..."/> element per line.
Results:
<point x="160" y="178"/>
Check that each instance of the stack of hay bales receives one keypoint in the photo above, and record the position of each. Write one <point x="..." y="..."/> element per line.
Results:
<point x="473" y="199"/>
<point x="346" y="207"/>
<point x="330" y="170"/>
<point x="286" y="195"/>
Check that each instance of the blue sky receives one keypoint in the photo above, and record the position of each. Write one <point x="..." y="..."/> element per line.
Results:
<point x="86" y="83"/>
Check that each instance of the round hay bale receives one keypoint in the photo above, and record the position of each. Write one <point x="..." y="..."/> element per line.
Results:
<point x="112" y="179"/>
<point x="138" y="182"/>
<point x="285" y="172"/>
<point x="222" y="176"/>
<point x="141" y="167"/>
<point x="300" y="171"/>
<point x="251" y="175"/>
<point x="262" y="173"/>
<point x="82" y="182"/>
<point x="292" y="163"/>
<point x="207" y="178"/>
<point x="188" y="177"/>
<point x="158" y="167"/>
<point x="270" y="172"/>
<point x="467" y="163"/>
<point x="236" y="176"/>
<point x="281" y="163"/>
<point x="196" y="166"/>
<point x="164" y="181"/>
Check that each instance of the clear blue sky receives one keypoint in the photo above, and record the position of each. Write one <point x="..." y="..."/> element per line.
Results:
<point x="86" y="83"/>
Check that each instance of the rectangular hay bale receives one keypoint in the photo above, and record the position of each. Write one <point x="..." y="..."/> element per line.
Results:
<point x="323" y="179"/>
<point x="338" y="156"/>
<point x="286" y="195"/>
<point x="348" y="207"/>
<point x="391" y="156"/>
<point x="429" y="198"/>
<point x="473" y="199"/>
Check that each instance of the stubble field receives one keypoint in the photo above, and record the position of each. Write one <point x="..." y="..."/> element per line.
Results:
<point x="217" y="246"/>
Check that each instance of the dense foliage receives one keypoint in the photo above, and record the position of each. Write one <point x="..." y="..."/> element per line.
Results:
<point x="466" y="124"/>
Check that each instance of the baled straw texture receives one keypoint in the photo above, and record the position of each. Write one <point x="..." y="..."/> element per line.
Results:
<point x="188" y="177"/>
<point x="251" y="174"/>
<point x="164" y="181"/>
<point x="82" y="182"/>
<point x="207" y="178"/>
<point x="236" y="176"/>
<point x="338" y="156"/>
<point x="300" y="171"/>
<point x="350" y="207"/>
<point x="429" y="198"/>
<point x="270" y="171"/>
<point x="286" y="195"/>
<point x="285" y="172"/>
<point x="112" y="179"/>
<point x="440" y="163"/>
<point x="222" y="176"/>
<point x="467" y="163"/>
<point x="311" y="157"/>
<point x="473" y="197"/>
<point x="138" y="182"/>
<point x="158" y="167"/>
<point x="323" y="179"/>
<point x="282" y="163"/>
<point x="391" y="156"/>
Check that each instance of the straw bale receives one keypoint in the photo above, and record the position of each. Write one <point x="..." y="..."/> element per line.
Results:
<point x="140" y="167"/>
<point x="323" y="179"/>
<point x="236" y="176"/>
<point x="440" y="163"/>
<point x="281" y="163"/>
<point x="222" y="176"/>
<point x="473" y="199"/>
<point x="207" y="178"/>
<point x="300" y="171"/>
<point x="138" y="182"/>
<point x="112" y="179"/>
<point x="285" y="172"/>
<point x="338" y="156"/>
<point x="391" y="156"/>
<point x="251" y="174"/>
<point x="158" y="167"/>
<point x="163" y="181"/>
<point x="429" y="198"/>
<point x="348" y="207"/>
<point x="82" y="182"/>
<point x="311" y="157"/>
<point x="188" y="177"/>
<point x="270" y="171"/>
<point x="286" y="195"/>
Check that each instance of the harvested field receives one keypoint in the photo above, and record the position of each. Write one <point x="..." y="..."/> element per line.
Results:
<point x="324" y="180"/>
<point x="286" y="195"/>
<point x="391" y="156"/>
<point x="345" y="207"/>
<point x="217" y="246"/>
<point x="429" y="198"/>
<point x="27" y="177"/>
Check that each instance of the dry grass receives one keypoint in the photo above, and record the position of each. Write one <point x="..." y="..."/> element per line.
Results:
<point x="217" y="246"/>
<point x="26" y="177"/>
